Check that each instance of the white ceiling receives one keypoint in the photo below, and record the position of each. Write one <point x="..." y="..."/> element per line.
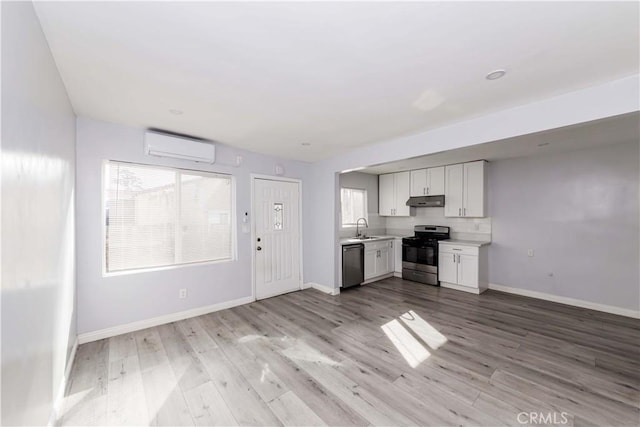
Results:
<point x="612" y="130"/>
<point x="270" y="76"/>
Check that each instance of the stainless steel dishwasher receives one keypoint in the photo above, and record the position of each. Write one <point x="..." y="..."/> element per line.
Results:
<point x="352" y="265"/>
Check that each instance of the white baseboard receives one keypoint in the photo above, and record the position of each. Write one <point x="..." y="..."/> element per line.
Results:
<point x="160" y="320"/>
<point x="396" y="274"/>
<point x="568" y="301"/>
<point x="476" y="291"/>
<point x="375" y="279"/>
<point x="59" y="398"/>
<point x="322" y="288"/>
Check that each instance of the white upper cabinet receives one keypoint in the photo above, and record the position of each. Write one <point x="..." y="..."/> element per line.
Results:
<point x="453" y="190"/>
<point x="386" y="193"/>
<point x="402" y="194"/>
<point x="474" y="194"/>
<point x="427" y="182"/>
<point x="465" y="190"/>
<point x="393" y="194"/>
<point x="418" y="182"/>
<point x="435" y="181"/>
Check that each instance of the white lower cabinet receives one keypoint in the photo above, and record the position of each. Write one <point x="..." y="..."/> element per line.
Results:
<point x="447" y="267"/>
<point x="468" y="271"/>
<point x="370" y="257"/>
<point x="463" y="267"/>
<point x="378" y="259"/>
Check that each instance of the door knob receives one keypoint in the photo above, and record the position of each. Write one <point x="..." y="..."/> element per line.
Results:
<point x="258" y="248"/>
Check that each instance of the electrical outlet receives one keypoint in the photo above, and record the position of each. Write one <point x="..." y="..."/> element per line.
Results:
<point x="183" y="293"/>
<point x="530" y="252"/>
<point x="476" y="227"/>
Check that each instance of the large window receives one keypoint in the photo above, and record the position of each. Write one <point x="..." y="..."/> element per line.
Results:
<point x="354" y="205"/>
<point x="158" y="216"/>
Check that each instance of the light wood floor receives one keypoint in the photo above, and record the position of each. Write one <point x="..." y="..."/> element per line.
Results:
<point x="390" y="353"/>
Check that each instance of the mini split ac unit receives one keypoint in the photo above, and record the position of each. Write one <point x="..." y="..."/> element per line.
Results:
<point x="164" y="145"/>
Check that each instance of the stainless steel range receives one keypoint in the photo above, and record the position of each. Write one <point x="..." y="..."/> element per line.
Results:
<point x="420" y="253"/>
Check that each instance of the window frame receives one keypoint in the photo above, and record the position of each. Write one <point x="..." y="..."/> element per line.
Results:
<point x="366" y="207"/>
<point x="233" y="256"/>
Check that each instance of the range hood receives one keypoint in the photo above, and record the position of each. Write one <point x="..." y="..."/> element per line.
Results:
<point x="426" y="202"/>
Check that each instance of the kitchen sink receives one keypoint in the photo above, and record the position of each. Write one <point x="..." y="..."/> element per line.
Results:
<point x="365" y="238"/>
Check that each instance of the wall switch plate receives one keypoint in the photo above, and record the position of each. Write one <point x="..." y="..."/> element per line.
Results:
<point x="182" y="293"/>
<point x="530" y="252"/>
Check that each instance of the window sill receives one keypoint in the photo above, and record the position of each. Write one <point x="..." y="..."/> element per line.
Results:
<point x="165" y="267"/>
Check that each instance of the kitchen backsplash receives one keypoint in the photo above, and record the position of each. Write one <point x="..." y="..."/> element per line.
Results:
<point x="461" y="228"/>
<point x="377" y="227"/>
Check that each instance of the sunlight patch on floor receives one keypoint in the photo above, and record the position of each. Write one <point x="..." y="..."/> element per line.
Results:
<point x="423" y="329"/>
<point x="304" y="352"/>
<point x="265" y="372"/>
<point x="410" y="348"/>
<point x="249" y="338"/>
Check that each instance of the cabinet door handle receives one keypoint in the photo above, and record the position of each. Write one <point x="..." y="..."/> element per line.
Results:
<point x="464" y="211"/>
<point x="459" y="211"/>
<point x="454" y="258"/>
<point x="427" y="190"/>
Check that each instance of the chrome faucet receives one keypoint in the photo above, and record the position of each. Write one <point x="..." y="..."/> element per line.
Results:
<point x="358" y="226"/>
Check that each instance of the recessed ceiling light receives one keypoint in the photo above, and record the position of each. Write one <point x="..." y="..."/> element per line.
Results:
<point x="543" y="144"/>
<point x="496" y="74"/>
<point x="306" y="144"/>
<point x="176" y="112"/>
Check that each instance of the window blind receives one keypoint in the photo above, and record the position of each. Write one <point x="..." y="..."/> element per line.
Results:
<point x="354" y="205"/>
<point x="158" y="216"/>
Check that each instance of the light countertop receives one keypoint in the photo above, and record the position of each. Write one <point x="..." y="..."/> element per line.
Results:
<point x="352" y="240"/>
<point x="474" y="243"/>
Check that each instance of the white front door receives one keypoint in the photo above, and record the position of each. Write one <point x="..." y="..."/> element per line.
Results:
<point x="277" y="237"/>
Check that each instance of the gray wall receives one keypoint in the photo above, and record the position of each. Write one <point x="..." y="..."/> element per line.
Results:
<point x="608" y="99"/>
<point x="579" y="212"/>
<point x="363" y="181"/>
<point x="105" y="302"/>
<point x="38" y="143"/>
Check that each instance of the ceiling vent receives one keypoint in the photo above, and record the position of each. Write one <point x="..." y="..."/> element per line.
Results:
<point x="178" y="147"/>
